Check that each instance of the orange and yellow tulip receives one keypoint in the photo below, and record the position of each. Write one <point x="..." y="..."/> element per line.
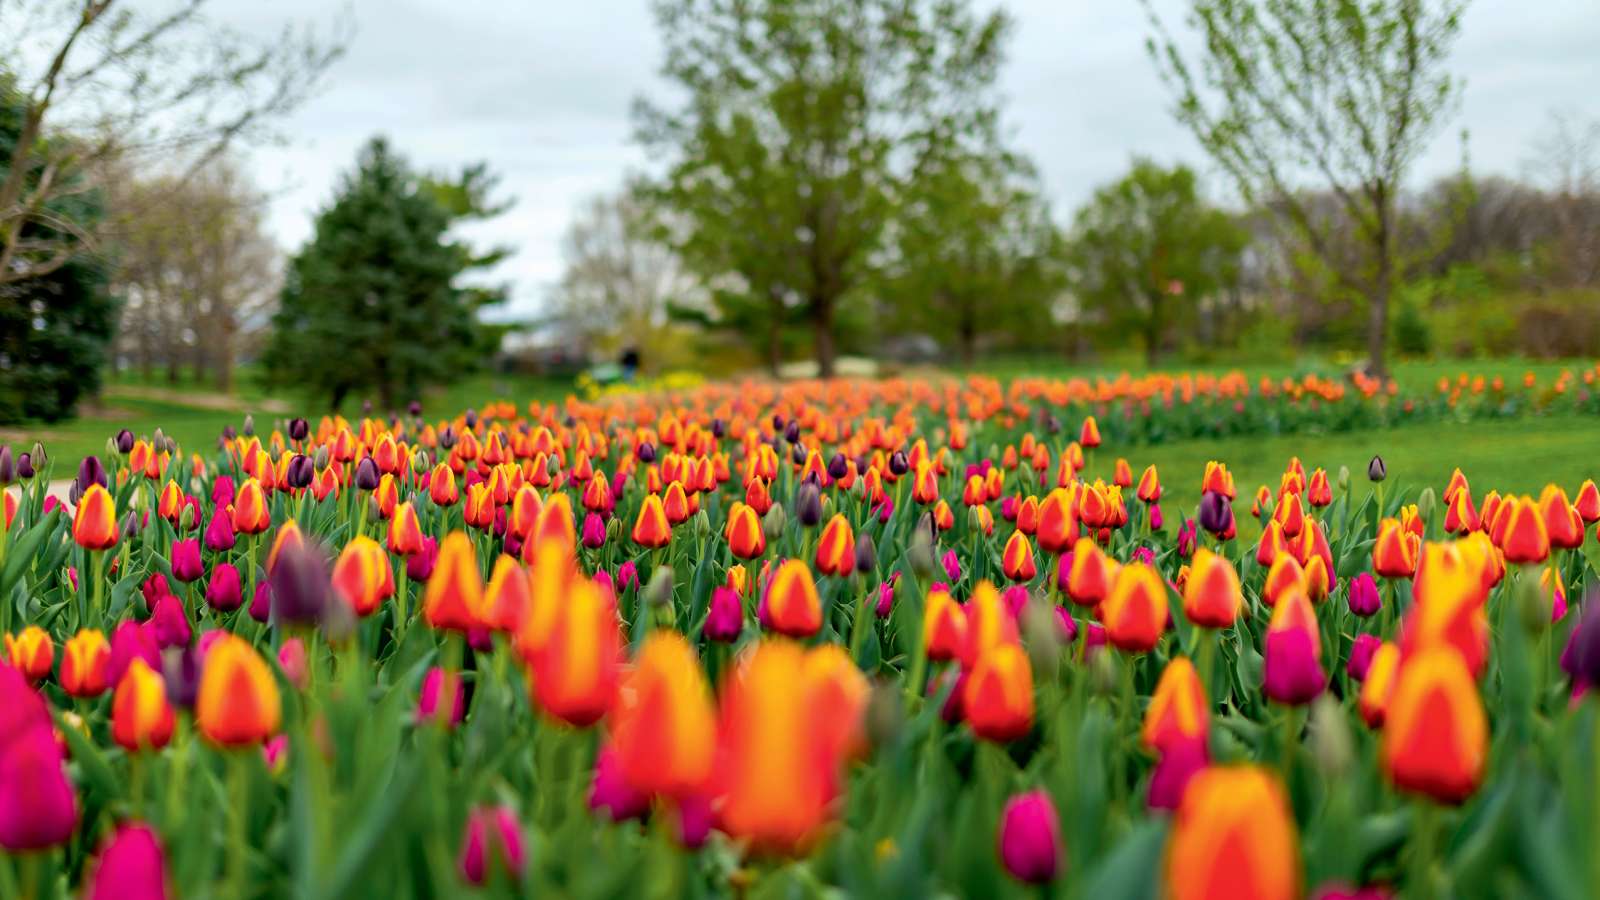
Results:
<point x="141" y="717"/>
<point x="453" y="600"/>
<point x="362" y="575"/>
<point x="1212" y="597"/>
<point x="84" y="660"/>
<point x="575" y="670"/>
<point x="94" y="524"/>
<point x="836" y="550"/>
<point x="1435" y="734"/>
<point x="791" y="604"/>
<point x="998" y="693"/>
<point x="1178" y="711"/>
<point x="1233" y="836"/>
<point x="651" y="528"/>
<point x="663" y="726"/>
<point x="1135" y="609"/>
<point x="238" y="703"/>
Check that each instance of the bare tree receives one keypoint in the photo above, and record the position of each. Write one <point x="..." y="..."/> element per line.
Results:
<point x="1342" y="94"/>
<point x="101" y="79"/>
<point x="1566" y="162"/>
<point x="619" y="280"/>
<point x="194" y="265"/>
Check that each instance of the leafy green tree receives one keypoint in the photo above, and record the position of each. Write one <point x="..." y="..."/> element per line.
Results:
<point x="374" y="301"/>
<point x="978" y="253"/>
<point x="801" y="123"/>
<point x="1339" y="93"/>
<point x="55" y="326"/>
<point x="1146" y="248"/>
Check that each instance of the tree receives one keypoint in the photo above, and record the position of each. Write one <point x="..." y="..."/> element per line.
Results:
<point x="1347" y="94"/>
<point x="977" y="252"/>
<point x="194" y="266"/>
<point x="801" y="123"/>
<point x="1146" y="249"/>
<point x="373" y="300"/>
<point x="126" y="82"/>
<point x="54" y="328"/>
<point x="619" y="280"/>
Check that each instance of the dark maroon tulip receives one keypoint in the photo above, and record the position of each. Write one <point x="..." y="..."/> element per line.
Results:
<point x="261" y="603"/>
<point x="301" y="585"/>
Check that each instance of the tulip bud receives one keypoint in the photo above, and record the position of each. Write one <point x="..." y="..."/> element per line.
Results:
<point x="180" y="670"/>
<point x="249" y="428"/>
<point x="8" y="466"/>
<point x="493" y="837"/>
<point x="808" y="504"/>
<point x="1030" y="838"/>
<point x="321" y="458"/>
<point x="885" y="717"/>
<point x="773" y="523"/>
<point x="300" y="583"/>
<point x="367" y="475"/>
<point x="1533" y="602"/>
<point x="299" y="429"/>
<point x="866" y="553"/>
<point x="1331" y="745"/>
<point x="111" y="446"/>
<point x="37" y="456"/>
<point x="1216" y="514"/>
<point x="920" y="552"/>
<point x="90" y="471"/>
<point x="725" y="615"/>
<point x="702" y="525"/>
<point x="25" y="466"/>
<point x="374" y="509"/>
<point x="898" y="463"/>
<point x="1041" y="635"/>
<point x="1344" y="478"/>
<point x="1103" y="672"/>
<point x="1426" y="501"/>
<point x="659" y="591"/>
<point x="123" y="441"/>
<point x="1376" y="470"/>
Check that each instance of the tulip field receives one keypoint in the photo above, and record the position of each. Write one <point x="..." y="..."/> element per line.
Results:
<point x="914" y="638"/>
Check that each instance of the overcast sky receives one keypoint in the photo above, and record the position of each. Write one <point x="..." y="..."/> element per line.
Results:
<point x="541" y="89"/>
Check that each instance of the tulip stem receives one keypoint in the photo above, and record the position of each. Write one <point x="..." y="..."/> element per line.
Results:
<point x="1205" y="658"/>
<point x="97" y="568"/>
<point x="1425" y="828"/>
<point x="239" y="788"/>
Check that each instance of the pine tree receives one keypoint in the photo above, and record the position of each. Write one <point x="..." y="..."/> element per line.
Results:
<point x="371" y="304"/>
<point x="54" y="328"/>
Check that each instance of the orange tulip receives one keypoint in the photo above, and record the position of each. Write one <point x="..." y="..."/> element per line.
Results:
<point x="746" y="539"/>
<point x="1379" y="684"/>
<point x="998" y="693"/>
<point x="94" y="524"/>
<point x="1212" y="597"/>
<point x="289" y="535"/>
<point x="453" y="600"/>
<point x="141" y="717"/>
<point x="551" y="575"/>
<point x="1089" y="579"/>
<point x="1135" y="609"/>
<point x="555" y="524"/>
<point x="362" y="575"/>
<point x="944" y="627"/>
<point x="1149" y="485"/>
<point x="1272" y="544"/>
<point x="1233" y="836"/>
<point x="31" y="652"/>
<point x="405" y="531"/>
<point x="1178" y="712"/>
<point x="84" y="660"/>
<point x="238" y="703"/>
<point x="1588" y="502"/>
<point x="1436" y="734"/>
<point x="575" y="672"/>
<point x="675" y="504"/>
<point x="651" y="528"/>
<point x="778" y="770"/>
<point x="250" y="512"/>
<point x="663" y="727"/>
<point x="508" y="595"/>
<point x="791" y="605"/>
<point x="1017" y="560"/>
<point x="1089" y="434"/>
<point x="989" y="623"/>
<point x="1217" y="479"/>
<point x="925" y="484"/>
<point x="1526" y="539"/>
<point x="836" y="550"/>
<point x="442" y="488"/>
<point x="1561" y="520"/>
<point x="1395" y="553"/>
<point x="1122" y="473"/>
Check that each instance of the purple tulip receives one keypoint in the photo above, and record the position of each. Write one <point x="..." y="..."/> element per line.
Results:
<point x="223" y="592"/>
<point x="431" y="699"/>
<point x="627" y="575"/>
<point x="694" y="821"/>
<point x="131" y="641"/>
<point x="1030" y="838"/>
<point x="186" y="565"/>
<point x="1361" y="654"/>
<point x="181" y="672"/>
<point x="419" y="565"/>
<point x="1015" y="597"/>
<point x="1216" y="513"/>
<point x="610" y="792"/>
<point x="219" y="533"/>
<point x="131" y="866"/>
<point x="493" y="836"/>
<point x="1363" y="595"/>
<point x="1008" y="507"/>
<point x="1580" y="659"/>
<point x="301" y="585"/>
<point x="725" y="618"/>
<point x="1188" y="537"/>
<point x="594" y="531"/>
<point x="91" y="471"/>
<point x="1178" y="763"/>
<point x="1292" y="674"/>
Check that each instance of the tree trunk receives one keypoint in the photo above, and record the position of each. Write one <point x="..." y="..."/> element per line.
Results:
<point x="1152" y="331"/>
<point x="822" y="331"/>
<point x="967" y="331"/>
<point x="774" y="332"/>
<point x="1378" y="308"/>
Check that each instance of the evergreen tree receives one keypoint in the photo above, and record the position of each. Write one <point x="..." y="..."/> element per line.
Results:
<point x="372" y="303"/>
<point x="54" y="327"/>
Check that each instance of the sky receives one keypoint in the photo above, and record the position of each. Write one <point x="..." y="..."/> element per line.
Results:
<point x="542" y="90"/>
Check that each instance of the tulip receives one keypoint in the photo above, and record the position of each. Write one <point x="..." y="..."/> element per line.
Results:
<point x="944" y="627"/>
<point x="180" y="669"/>
<point x="1377" y="685"/>
<point x="1017" y="560"/>
<point x="85" y="657"/>
<point x="1436" y="734"/>
<point x="1526" y="538"/>
<point x="610" y="792"/>
<point x="419" y="565"/>
<point x="1561" y="521"/>
<point x="594" y="531"/>
<point x="1212" y="597"/>
<point x="1376" y="470"/>
<point x="141" y="717"/>
<point x="1030" y="838"/>
<point x="453" y="600"/>
<point x="405" y="532"/>
<point x="301" y="585"/>
<point x="362" y="576"/>
<point x="219" y="536"/>
<point x="651" y="528"/>
<point x="1362" y="595"/>
<point x="1394" y="555"/>
<point x="131" y="866"/>
<point x="38" y="808"/>
<point x="663" y="727"/>
<point x="724" y="615"/>
<point x="238" y="703"/>
<point x="1177" y="765"/>
<point x="777" y="776"/>
<point x="998" y="693"/>
<point x="1233" y="836"/>
<point x="1361" y="653"/>
<point x="1089" y="578"/>
<point x="791" y="604"/>
<point x="131" y="641"/>
<point x="836" y="548"/>
<point x="1135" y="609"/>
<point x="442" y="699"/>
<point x="1216" y="513"/>
<point x="250" y="512"/>
<point x="94" y="525"/>
<point x="169" y="623"/>
<point x="1056" y="525"/>
<point x="1179" y="711"/>
<point x="493" y="839"/>
<point x="31" y="652"/>
<point x="575" y="671"/>
<point x="1293" y="667"/>
<point x="1587" y="502"/>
